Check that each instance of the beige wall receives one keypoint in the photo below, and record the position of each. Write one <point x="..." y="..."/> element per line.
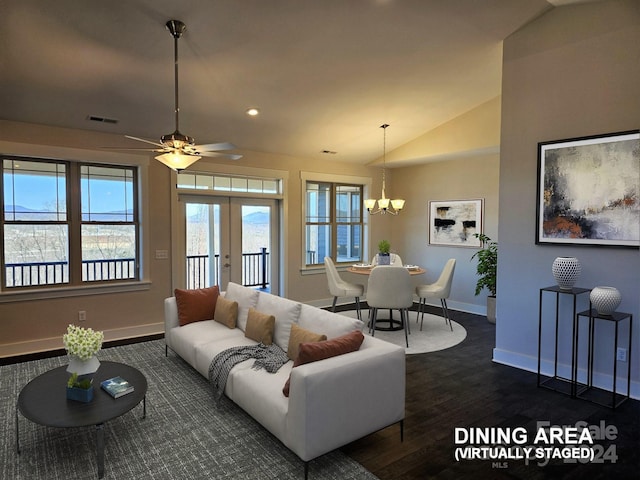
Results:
<point x="34" y="325"/>
<point x="457" y="179"/>
<point x="573" y="72"/>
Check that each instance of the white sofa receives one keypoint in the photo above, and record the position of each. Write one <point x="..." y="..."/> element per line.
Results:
<point x="332" y="402"/>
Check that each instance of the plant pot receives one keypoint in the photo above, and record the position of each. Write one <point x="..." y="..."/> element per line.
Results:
<point x="491" y="309"/>
<point x="84" y="368"/>
<point x="84" y="395"/>
<point x="384" y="259"/>
<point x="566" y="271"/>
<point x="605" y="299"/>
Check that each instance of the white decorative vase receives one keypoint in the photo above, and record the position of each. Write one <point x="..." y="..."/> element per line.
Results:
<point x="605" y="299"/>
<point x="84" y="368"/>
<point x="566" y="271"/>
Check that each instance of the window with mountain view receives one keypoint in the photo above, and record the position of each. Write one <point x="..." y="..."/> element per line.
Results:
<point x="66" y="223"/>
<point x="333" y="222"/>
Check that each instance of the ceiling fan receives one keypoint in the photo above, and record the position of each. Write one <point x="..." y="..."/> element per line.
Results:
<point x="178" y="151"/>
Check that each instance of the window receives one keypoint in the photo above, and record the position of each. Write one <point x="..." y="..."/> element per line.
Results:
<point x="67" y="223"/>
<point x="229" y="183"/>
<point x="333" y="223"/>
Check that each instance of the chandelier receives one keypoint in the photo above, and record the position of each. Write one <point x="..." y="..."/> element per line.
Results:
<point x="383" y="202"/>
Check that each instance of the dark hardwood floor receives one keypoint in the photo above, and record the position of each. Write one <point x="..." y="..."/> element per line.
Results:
<point x="462" y="387"/>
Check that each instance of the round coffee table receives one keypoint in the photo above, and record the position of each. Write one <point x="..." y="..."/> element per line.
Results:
<point x="44" y="401"/>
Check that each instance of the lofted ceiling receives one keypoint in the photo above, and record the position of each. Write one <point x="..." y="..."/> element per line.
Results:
<point x="325" y="74"/>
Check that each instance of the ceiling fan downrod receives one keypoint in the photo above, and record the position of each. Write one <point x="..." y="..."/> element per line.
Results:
<point x="176" y="139"/>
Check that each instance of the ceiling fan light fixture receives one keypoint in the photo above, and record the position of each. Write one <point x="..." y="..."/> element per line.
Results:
<point x="176" y="161"/>
<point x="178" y="151"/>
<point x="177" y="140"/>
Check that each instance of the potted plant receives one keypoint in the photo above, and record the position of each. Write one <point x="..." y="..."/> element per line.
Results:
<point x="81" y="345"/>
<point x="383" y="252"/>
<point x="487" y="272"/>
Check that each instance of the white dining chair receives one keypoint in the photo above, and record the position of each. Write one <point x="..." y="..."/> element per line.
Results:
<point x="389" y="288"/>
<point x="441" y="290"/>
<point x="340" y="288"/>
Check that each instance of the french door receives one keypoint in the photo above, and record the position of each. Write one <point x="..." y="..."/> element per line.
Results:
<point x="229" y="239"/>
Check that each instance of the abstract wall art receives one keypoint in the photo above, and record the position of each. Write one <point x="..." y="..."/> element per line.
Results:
<point x="453" y="222"/>
<point x="589" y="191"/>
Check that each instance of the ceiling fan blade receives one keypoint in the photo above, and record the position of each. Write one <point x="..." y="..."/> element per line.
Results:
<point x="123" y="149"/>
<point x="212" y="147"/>
<point x="230" y="156"/>
<point x="145" y="141"/>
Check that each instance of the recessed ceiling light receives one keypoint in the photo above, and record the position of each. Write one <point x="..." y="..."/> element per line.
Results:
<point x="253" y="112"/>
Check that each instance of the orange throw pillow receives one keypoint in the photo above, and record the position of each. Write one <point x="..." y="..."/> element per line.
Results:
<point x="196" y="305"/>
<point x="314" y="351"/>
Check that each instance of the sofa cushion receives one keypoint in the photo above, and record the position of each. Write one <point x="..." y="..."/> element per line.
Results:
<point x="314" y="351"/>
<point x="286" y="313"/>
<point x="185" y="340"/>
<point x="196" y="305"/>
<point x="323" y="321"/>
<point x="258" y="393"/>
<point x="226" y="312"/>
<point x="260" y="326"/>
<point x="300" y="335"/>
<point x="246" y="298"/>
<point x="206" y="352"/>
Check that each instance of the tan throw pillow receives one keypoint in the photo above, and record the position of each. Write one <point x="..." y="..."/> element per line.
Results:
<point x="196" y="305"/>
<point x="260" y="326"/>
<point x="300" y="335"/>
<point x="314" y="351"/>
<point x="226" y="312"/>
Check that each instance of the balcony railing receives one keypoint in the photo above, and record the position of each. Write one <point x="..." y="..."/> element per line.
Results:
<point x="30" y="274"/>
<point x="255" y="271"/>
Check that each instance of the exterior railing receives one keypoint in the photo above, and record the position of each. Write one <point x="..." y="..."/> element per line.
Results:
<point x="51" y="273"/>
<point x="255" y="271"/>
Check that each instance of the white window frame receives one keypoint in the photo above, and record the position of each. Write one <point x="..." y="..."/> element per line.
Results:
<point x="305" y="177"/>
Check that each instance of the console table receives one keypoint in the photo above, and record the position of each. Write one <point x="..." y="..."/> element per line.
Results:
<point x="594" y="394"/>
<point x="557" y="382"/>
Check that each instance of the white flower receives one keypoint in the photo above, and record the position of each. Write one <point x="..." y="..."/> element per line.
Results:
<point x="82" y="342"/>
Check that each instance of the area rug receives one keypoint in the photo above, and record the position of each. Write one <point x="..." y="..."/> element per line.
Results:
<point x="183" y="437"/>
<point x="435" y="335"/>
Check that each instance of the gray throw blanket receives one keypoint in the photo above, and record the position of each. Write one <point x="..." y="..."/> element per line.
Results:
<point x="270" y="357"/>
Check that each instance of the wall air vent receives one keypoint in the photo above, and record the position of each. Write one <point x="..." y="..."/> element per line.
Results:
<point x="95" y="118"/>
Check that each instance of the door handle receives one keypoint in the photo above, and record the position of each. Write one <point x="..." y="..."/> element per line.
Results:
<point x="226" y="265"/>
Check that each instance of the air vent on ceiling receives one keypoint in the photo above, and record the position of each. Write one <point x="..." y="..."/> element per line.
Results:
<point x="95" y="118"/>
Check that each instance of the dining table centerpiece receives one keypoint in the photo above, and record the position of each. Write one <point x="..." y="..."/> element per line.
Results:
<point x="384" y="247"/>
<point x="82" y="345"/>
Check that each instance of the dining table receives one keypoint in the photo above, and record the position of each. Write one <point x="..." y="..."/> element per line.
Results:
<point x="365" y="269"/>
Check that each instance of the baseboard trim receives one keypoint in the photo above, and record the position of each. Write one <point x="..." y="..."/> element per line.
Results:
<point x="600" y="380"/>
<point x="52" y="347"/>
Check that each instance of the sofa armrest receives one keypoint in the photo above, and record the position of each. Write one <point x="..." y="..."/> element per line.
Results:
<point x="170" y="318"/>
<point x="338" y="400"/>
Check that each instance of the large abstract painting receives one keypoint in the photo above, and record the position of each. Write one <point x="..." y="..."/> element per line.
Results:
<point x="589" y="191"/>
<point x="453" y="222"/>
